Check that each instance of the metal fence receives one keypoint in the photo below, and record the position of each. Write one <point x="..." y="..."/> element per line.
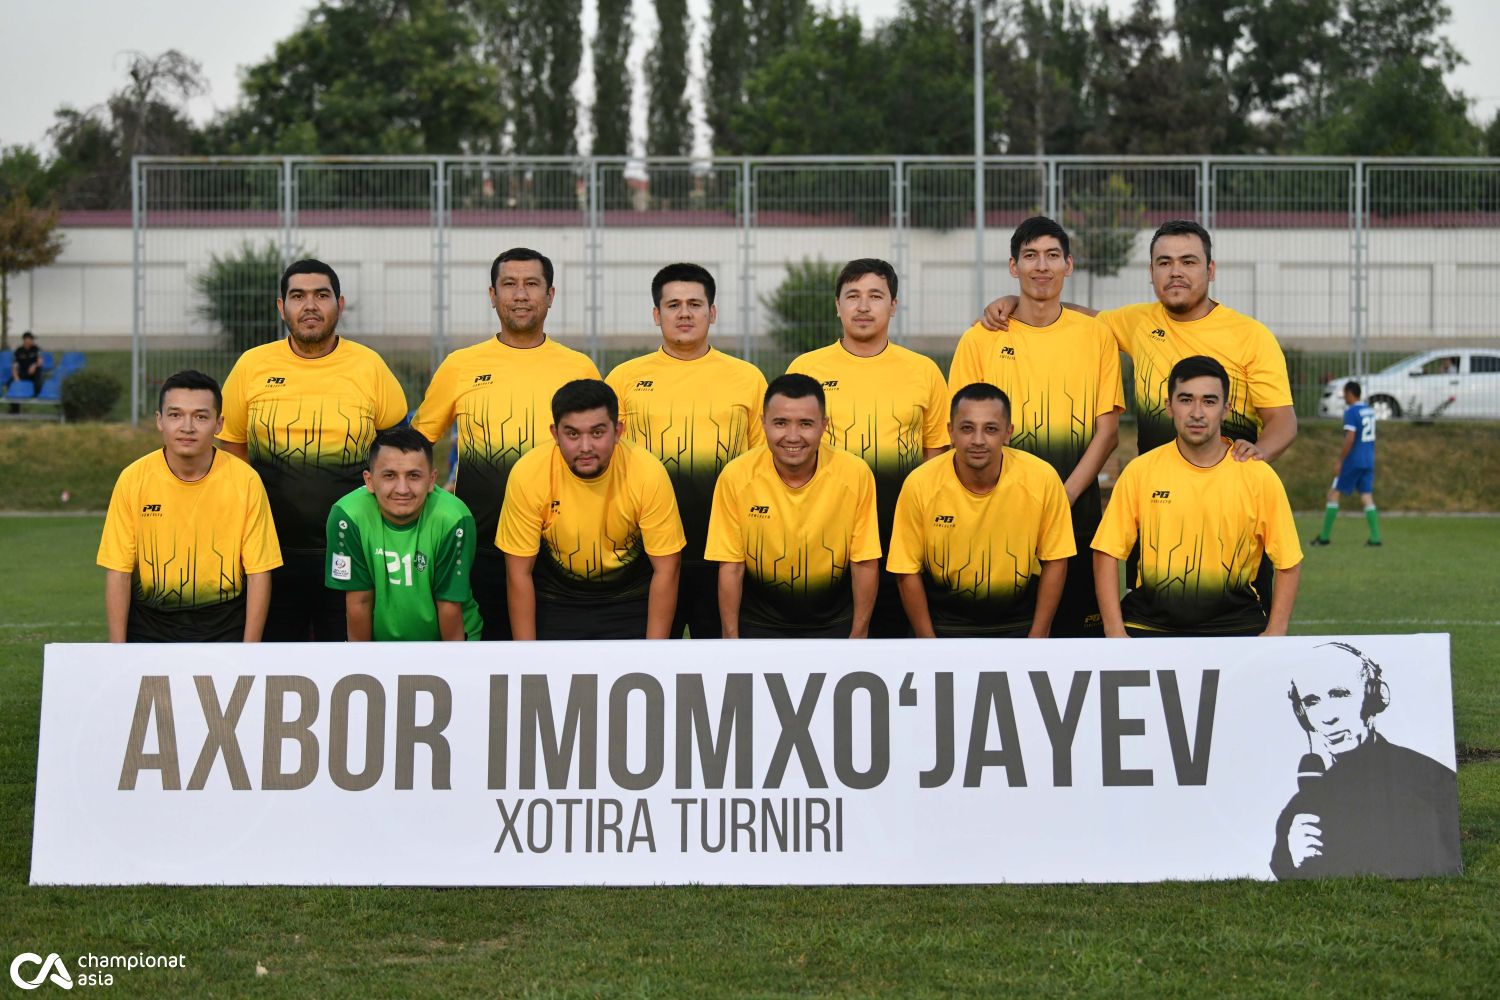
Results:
<point x="1354" y="264"/>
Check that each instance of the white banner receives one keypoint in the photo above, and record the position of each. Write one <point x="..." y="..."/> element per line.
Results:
<point x="756" y="762"/>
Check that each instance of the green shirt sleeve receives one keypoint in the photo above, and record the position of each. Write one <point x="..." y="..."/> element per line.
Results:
<point x="454" y="561"/>
<point x="347" y="568"/>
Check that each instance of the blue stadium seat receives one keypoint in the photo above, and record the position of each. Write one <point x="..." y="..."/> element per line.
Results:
<point x="6" y="357"/>
<point x="21" y="389"/>
<point x="71" y="362"/>
<point x="51" y="390"/>
<point x="46" y="361"/>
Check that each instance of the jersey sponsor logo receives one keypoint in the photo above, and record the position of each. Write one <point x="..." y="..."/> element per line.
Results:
<point x="481" y="378"/>
<point x="946" y="520"/>
<point x="555" y="505"/>
<point x="420" y="562"/>
<point x="645" y="383"/>
<point x="343" y="567"/>
<point x="1158" y="334"/>
<point x="760" y="510"/>
<point x="151" y="508"/>
<point x="276" y="380"/>
<point x="1161" y="496"/>
<point x="1007" y="351"/>
<point x="832" y="383"/>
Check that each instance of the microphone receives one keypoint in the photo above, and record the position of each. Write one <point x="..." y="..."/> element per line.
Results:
<point x="1309" y="769"/>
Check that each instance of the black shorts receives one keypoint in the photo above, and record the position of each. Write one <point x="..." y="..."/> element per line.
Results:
<point x="889" y="621"/>
<point x="698" y="602"/>
<point x="602" y="619"/>
<point x="303" y="608"/>
<point x="488" y="584"/>
<point x="1078" y="610"/>
<point x="839" y="630"/>
<point x="1142" y="633"/>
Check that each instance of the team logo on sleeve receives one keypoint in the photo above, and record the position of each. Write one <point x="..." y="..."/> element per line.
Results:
<point x="342" y="567"/>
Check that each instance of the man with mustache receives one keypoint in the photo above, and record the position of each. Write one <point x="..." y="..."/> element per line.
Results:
<point x="303" y="412"/>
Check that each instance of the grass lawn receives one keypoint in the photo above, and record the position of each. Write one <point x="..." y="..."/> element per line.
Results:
<point x="1355" y="937"/>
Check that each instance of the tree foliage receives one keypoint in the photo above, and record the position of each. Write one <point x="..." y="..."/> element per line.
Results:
<point x="669" y="126"/>
<point x="803" y="316"/>
<point x="610" y="113"/>
<point x="236" y="292"/>
<point x="28" y="240"/>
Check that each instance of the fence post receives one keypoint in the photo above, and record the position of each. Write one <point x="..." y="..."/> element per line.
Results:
<point x="747" y="243"/>
<point x="439" y="348"/>
<point x="288" y="208"/>
<point x="899" y="233"/>
<point x="595" y="306"/>
<point x="1359" y="279"/>
<point x="138" y="298"/>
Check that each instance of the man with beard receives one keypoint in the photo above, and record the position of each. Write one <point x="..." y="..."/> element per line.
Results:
<point x="303" y="412"/>
<point x="982" y="535"/>
<point x="499" y="393"/>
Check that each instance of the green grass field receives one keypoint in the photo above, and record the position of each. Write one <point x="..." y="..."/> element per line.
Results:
<point x="1358" y="937"/>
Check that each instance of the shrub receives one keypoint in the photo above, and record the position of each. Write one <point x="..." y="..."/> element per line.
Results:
<point x="802" y="307"/>
<point x="239" y="292"/>
<point x="89" y="395"/>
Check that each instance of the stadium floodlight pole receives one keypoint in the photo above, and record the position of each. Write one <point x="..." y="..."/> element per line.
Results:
<point x="979" y="299"/>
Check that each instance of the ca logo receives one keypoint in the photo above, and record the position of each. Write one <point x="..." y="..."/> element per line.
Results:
<point x="53" y="964"/>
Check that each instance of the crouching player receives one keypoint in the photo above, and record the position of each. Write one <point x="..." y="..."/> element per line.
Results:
<point x="402" y="549"/>
<point x="983" y="534"/>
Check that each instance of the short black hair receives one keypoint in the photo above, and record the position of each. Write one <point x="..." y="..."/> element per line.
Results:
<point x="1184" y="227"/>
<point x="682" y="272"/>
<point x="404" y="438"/>
<point x="1197" y="366"/>
<point x="1354" y="387"/>
<point x="795" y="385"/>
<point x="1034" y="229"/>
<point x="190" y="379"/>
<point x="309" y="266"/>
<point x="861" y="266"/>
<point x="585" y="394"/>
<point x="521" y="253"/>
<point x="27" y="336"/>
<point x="979" y="392"/>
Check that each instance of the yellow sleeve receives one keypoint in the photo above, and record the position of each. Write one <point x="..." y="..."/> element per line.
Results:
<point x="618" y="381"/>
<point x="966" y="368"/>
<point x="1277" y="530"/>
<point x="864" y="542"/>
<point x="1055" y="540"/>
<point x="726" y="539"/>
<point x="906" y="555"/>
<point x="435" y="414"/>
<point x="935" y="421"/>
<point x="1119" y="322"/>
<point x="661" y="525"/>
<point x="588" y="368"/>
<point x="1120" y="526"/>
<point x="757" y="435"/>
<point x="1269" y="384"/>
<point x="117" y="543"/>
<point x="1111" y="392"/>
<point x="236" y="410"/>
<point x="260" y="550"/>
<point x="390" y="398"/>
<point x="520" y="529"/>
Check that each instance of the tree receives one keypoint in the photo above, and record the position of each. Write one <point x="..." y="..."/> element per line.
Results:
<point x="28" y="240"/>
<point x="611" y="109"/>
<point x="1043" y="59"/>
<point x="669" y="127"/>
<point x="22" y="171"/>
<point x="234" y="294"/>
<point x="546" y="47"/>
<point x="372" y="76"/>
<point x="803" y="315"/>
<point x="726" y="58"/>
<point x="1405" y="110"/>
<point x="147" y="116"/>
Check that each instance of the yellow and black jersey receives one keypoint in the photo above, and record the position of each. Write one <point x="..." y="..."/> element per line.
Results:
<point x="592" y="537"/>
<point x="500" y="397"/>
<point x="1155" y="342"/>
<point x="981" y="556"/>
<point x="1202" y="533"/>
<point x="1060" y="379"/>
<point x="308" y="424"/>
<point x="188" y="547"/>
<point x="796" y="544"/>
<point x="696" y="417"/>
<point x="884" y="409"/>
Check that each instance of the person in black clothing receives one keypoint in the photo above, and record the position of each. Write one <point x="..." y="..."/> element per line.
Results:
<point x="1364" y="805"/>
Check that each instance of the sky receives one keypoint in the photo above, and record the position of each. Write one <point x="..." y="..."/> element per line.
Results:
<point x="75" y="52"/>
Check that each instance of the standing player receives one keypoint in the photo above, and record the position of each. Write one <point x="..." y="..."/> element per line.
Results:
<point x="1203" y="522"/>
<point x="1356" y="466"/>
<point x="695" y="409"/>
<point x="886" y="404"/>
<point x="982" y="536"/>
<point x="590" y="530"/>
<point x="794" y="529"/>
<point x="1061" y="370"/>
<point x="499" y="393"/>
<point x="303" y="411"/>
<point x="189" y="544"/>
<point x="402" y="550"/>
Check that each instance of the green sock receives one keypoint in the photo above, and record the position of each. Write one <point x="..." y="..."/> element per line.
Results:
<point x="1373" y="517"/>
<point x="1330" y="514"/>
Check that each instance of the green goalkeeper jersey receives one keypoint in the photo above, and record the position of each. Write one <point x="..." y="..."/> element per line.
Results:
<point x="409" y="567"/>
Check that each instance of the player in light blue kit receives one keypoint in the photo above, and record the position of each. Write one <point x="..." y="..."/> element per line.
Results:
<point x="1356" y="471"/>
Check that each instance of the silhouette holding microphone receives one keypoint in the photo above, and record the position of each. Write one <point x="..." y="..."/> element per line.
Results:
<point x="1364" y="806"/>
